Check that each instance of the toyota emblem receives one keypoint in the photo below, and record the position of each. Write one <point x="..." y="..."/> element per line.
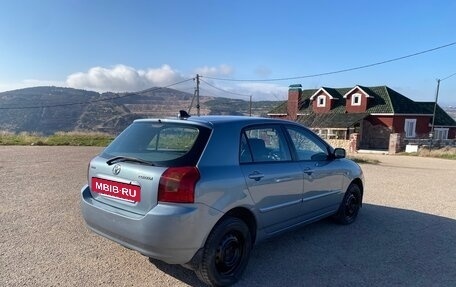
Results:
<point x="116" y="169"/>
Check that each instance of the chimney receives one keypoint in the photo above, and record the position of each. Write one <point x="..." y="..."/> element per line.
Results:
<point x="294" y="96"/>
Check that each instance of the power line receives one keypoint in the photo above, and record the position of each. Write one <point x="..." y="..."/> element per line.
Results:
<point x="333" y="72"/>
<point x="448" y="77"/>
<point x="250" y="97"/>
<point x="93" y="101"/>
<point x="225" y="91"/>
<point x="211" y="93"/>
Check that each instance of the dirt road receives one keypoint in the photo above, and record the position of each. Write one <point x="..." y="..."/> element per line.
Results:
<point x="405" y="234"/>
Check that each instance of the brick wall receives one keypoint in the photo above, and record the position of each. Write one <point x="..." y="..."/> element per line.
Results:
<point x="351" y="146"/>
<point x="339" y="143"/>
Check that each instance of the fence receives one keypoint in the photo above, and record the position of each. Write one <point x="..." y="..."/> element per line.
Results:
<point x="339" y="143"/>
<point x="397" y="143"/>
<point x="431" y="143"/>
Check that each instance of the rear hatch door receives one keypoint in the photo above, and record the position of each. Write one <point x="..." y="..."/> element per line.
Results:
<point x="127" y="185"/>
<point x="127" y="173"/>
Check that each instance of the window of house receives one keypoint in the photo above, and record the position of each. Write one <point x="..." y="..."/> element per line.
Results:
<point x="441" y="133"/>
<point x="323" y="133"/>
<point x="340" y="134"/>
<point x="331" y="134"/>
<point x="356" y="100"/>
<point x="321" y="101"/>
<point x="410" y="128"/>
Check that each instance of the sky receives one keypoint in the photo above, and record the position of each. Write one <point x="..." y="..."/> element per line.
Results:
<point x="238" y="47"/>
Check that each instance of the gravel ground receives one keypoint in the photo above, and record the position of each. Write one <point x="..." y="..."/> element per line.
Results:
<point x="404" y="236"/>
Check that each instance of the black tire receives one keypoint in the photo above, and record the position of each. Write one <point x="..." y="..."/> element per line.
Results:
<point x="350" y="205"/>
<point x="226" y="253"/>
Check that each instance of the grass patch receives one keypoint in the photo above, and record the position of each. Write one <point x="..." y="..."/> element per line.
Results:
<point x="446" y="153"/>
<point x="364" y="160"/>
<point x="57" y="139"/>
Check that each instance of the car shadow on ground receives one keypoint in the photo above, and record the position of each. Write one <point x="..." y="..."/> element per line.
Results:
<point x="179" y="272"/>
<point x="385" y="246"/>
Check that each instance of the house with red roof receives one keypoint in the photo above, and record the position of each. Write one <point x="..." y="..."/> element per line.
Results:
<point x="372" y="112"/>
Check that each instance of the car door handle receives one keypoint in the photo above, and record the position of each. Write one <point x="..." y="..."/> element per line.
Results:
<point x="308" y="171"/>
<point x="256" y="175"/>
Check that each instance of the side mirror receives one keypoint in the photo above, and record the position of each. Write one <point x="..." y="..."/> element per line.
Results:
<point x="339" y="153"/>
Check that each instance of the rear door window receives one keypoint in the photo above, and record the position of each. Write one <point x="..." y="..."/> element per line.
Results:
<point x="264" y="144"/>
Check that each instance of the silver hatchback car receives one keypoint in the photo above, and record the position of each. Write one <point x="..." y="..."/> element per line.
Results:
<point x="200" y="191"/>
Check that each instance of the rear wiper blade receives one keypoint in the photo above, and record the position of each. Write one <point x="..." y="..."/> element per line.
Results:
<point x="127" y="158"/>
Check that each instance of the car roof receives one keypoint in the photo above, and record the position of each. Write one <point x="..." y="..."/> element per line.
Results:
<point x="217" y="120"/>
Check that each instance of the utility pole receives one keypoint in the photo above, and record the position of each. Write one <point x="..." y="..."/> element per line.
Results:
<point x="250" y="108"/>
<point x="431" y="135"/>
<point x="197" y="95"/>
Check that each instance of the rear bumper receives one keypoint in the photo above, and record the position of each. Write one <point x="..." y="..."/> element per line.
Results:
<point x="171" y="233"/>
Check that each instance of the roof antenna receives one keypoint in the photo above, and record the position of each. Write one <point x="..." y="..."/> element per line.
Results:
<point x="183" y="115"/>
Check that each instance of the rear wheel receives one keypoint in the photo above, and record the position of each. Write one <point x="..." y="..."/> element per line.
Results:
<point x="349" y="208"/>
<point x="226" y="253"/>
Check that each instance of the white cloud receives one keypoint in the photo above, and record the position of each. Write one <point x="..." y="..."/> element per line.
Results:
<point x="258" y="91"/>
<point x="121" y="78"/>
<point x="221" y="70"/>
<point x="162" y="76"/>
<point x="264" y="91"/>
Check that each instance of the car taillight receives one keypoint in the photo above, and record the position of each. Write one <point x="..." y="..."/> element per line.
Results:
<point x="177" y="184"/>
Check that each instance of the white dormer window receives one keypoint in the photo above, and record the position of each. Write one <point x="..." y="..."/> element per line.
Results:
<point x="321" y="101"/>
<point x="356" y="99"/>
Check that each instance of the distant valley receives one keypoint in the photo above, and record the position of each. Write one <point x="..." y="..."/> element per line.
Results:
<point x="46" y="110"/>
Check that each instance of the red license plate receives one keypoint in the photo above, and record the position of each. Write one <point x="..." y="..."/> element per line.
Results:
<point x="116" y="189"/>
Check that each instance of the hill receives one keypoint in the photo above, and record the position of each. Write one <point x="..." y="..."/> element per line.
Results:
<point x="46" y="110"/>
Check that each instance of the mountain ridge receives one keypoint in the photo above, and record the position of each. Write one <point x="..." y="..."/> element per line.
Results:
<point x="47" y="110"/>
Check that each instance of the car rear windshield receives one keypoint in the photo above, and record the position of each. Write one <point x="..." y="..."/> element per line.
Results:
<point x="160" y="143"/>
